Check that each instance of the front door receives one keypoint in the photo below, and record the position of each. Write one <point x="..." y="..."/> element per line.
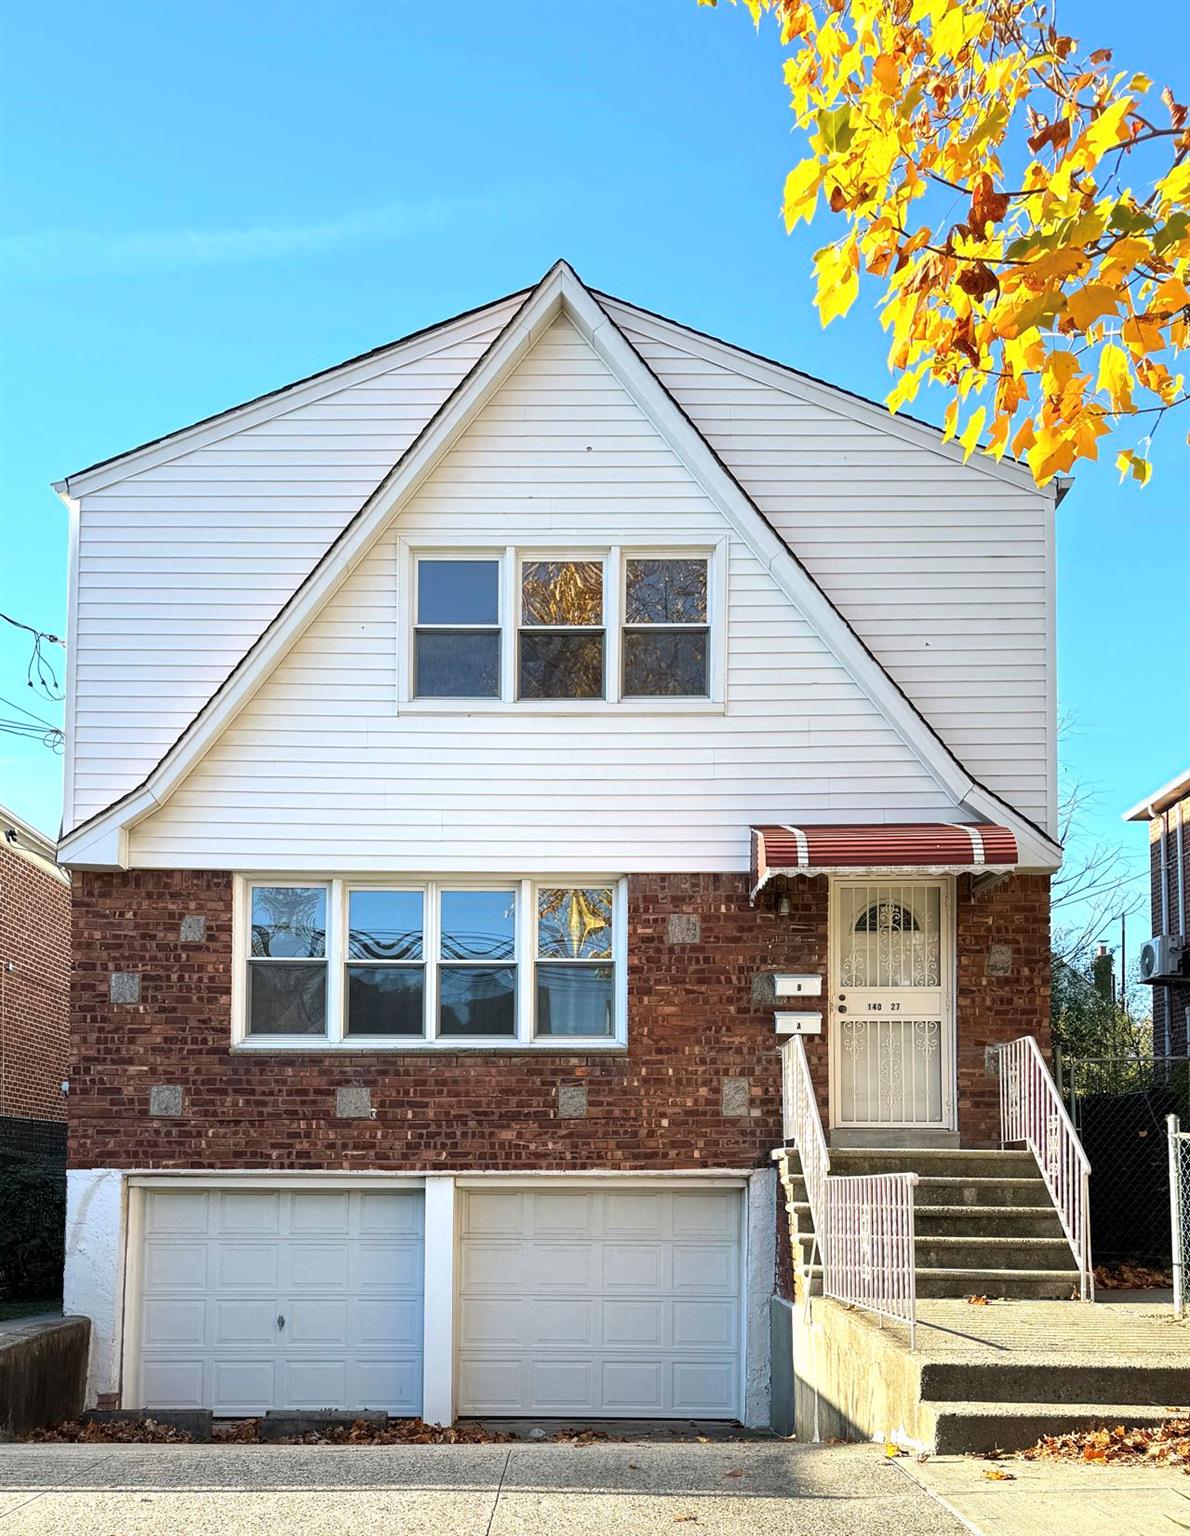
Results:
<point x="891" y="1013"/>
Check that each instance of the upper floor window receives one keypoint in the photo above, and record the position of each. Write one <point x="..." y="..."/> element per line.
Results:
<point x="514" y="626"/>
<point x="430" y="962"/>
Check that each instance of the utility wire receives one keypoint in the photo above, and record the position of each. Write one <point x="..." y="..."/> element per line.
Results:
<point x="40" y="674"/>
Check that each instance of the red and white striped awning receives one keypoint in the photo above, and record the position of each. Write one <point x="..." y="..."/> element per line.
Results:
<point x="940" y="848"/>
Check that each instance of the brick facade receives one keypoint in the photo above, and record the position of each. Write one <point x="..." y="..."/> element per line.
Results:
<point x="1171" y="1000"/>
<point x="34" y="988"/>
<point x="701" y="1042"/>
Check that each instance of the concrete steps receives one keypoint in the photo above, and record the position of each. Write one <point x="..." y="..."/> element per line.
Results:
<point x="984" y="1222"/>
<point x="974" y="1427"/>
<point x="1058" y="1384"/>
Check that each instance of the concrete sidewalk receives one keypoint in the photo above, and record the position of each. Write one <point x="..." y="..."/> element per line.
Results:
<point x="1046" y="1498"/>
<point x="754" y="1489"/>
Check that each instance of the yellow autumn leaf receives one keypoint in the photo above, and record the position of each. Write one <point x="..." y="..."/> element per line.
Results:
<point x="1086" y="305"/>
<point x="1108" y="129"/>
<point x="950" y="421"/>
<point x="1132" y="463"/>
<point x="838" y="280"/>
<point x="1115" y="377"/>
<point x="1175" y="187"/>
<point x="970" y="438"/>
<point x="801" y="192"/>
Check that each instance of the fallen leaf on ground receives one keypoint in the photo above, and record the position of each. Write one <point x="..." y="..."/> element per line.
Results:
<point x="1164" y="1445"/>
<point x="998" y="1475"/>
<point x="977" y="1301"/>
<point x="891" y="1449"/>
<point x="1126" y="1276"/>
<point x="735" y="1472"/>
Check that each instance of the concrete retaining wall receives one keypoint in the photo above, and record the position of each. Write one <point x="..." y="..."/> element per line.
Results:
<point x="43" y="1372"/>
<point x="852" y="1381"/>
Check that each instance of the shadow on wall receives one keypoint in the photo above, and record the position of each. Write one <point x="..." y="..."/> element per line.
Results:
<point x="32" y="1214"/>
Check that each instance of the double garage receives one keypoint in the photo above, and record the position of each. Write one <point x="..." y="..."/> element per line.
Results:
<point x="560" y="1298"/>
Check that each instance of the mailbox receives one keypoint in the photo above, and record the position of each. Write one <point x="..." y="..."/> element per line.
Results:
<point x="798" y="1023"/>
<point x="797" y="986"/>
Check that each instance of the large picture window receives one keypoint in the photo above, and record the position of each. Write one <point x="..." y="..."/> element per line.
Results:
<point x="446" y="964"/>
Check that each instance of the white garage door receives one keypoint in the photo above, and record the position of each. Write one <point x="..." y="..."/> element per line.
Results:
<point x="281" y="1299"/>
<point x="616" y="1303"/>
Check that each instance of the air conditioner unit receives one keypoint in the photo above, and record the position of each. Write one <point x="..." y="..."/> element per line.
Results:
<point x="1162" y="958"/>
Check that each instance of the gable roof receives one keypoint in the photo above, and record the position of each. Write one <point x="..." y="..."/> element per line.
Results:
<point x="560" y="291"/>
<point x="285" y="398"/>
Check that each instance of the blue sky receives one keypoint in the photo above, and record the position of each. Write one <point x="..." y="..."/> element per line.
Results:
<point x="203" y="201"/>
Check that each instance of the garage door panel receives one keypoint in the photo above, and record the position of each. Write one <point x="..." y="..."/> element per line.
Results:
<point x="491" y="1266"/>
<point x="701" y="1387"/>
<point x="635" y="1267"/>
<point x="704" y="1268"/>
<point x="568" y="1322"/>
<point x="248" y="1213"/>
<point x="379" y="1266"/>
<point x="319" y="1215"/>
<point x="630" y="1214"/>
<point x="394" y="1323"/>
<point x="179" y="1383"/>
<point x="177" y="1322"/>
<point x="177" y="1266"/>
<point x="562" y="1386"/>
<point x="633" y="1386"/>
<point x="182" y="1212"/>
<point x="631" y="1321"/>
<point x="352" y="1304"/>
<point x="239" y="1321"/>
<point x="634" y="1323"/>
<point x="247" y="1266"/>
<point x="713" y="1213"/>
<point x="705" y="1324"/>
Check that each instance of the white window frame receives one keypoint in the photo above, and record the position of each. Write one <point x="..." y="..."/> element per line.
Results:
<point x="338" y="888"/>
<point x="614" y="556"/>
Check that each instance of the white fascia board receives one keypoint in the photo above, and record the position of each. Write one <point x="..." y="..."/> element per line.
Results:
<point x="818" y="392"/>
<point x="103" y="844"/>
<point x="1036" y="850"/>
<point x="279" y="402"/>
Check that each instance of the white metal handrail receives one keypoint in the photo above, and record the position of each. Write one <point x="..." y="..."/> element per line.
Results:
<point x="870" y="1259"/>
<point x="1032" y="1112"/>
<point x="863" y="1226"/>
<point x="803" y="1126"/>
<point x="1179" y="1208"/>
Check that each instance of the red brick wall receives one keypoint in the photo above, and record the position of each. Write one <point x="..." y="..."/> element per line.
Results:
<point x="696" y="1017"/>
<point x="34" y="989"/>
<point x="1170" y="999"/>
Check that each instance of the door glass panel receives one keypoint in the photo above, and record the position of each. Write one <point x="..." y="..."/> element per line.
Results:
<point x="891" y="936"/>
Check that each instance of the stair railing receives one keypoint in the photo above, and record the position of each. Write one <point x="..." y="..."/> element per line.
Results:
<point x="863" y="1226"/>
<point x="1032" y="1112"/>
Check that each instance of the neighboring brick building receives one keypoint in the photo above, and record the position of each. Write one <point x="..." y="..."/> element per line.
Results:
<point x="34" y="989"/>
<point x="1167" y="812"/>
<point x="518" y="718"/>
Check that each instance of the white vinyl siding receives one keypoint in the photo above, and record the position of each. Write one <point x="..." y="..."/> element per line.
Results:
<point x="943" y="569"/>
<point x="323" y="768"/>
<point x="182" y="565"/>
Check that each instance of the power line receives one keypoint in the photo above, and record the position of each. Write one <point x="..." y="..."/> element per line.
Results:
<point x="40" y="674"/>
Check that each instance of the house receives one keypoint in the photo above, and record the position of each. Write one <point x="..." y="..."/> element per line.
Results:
<point x="1165" y="960"/>
<point x="34" y="993"/>
<point x="460" y="742"/>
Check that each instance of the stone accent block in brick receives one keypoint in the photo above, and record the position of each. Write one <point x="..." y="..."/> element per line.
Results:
<point x="572" y="1101"/>
<point x="1000" y="960"/>
<point x="354" y="1103"/>
<point x="165" y="1099"/>
<point x="683" y="928"/>
<point x="124" y="987"/>
<point x="764" y="990"/>
<point x="736" y="1097"/>
<point x="193" y="929"/>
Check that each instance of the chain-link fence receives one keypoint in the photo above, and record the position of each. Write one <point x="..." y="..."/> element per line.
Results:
<point x="32" y="1214"/>
<point x="1179" y="1208"/>
<point x="1119" y="1106"/>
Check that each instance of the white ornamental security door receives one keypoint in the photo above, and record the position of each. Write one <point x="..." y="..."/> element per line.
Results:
<point x="892" y="1019"/>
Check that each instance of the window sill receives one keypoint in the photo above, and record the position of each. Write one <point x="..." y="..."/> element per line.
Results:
<point x="562" y="707"/>
<point x="429" y="1048"/>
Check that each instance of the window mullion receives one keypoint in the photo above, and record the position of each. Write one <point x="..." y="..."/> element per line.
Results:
<point x="613" y="612"/>
<point x="431" y="942"/>
<point x="509" y="619"/>
<point x="336" y="951"/>
<point x="526" y="954"/>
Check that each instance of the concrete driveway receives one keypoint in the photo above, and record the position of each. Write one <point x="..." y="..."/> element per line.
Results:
<point x="751" y="1489"/>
